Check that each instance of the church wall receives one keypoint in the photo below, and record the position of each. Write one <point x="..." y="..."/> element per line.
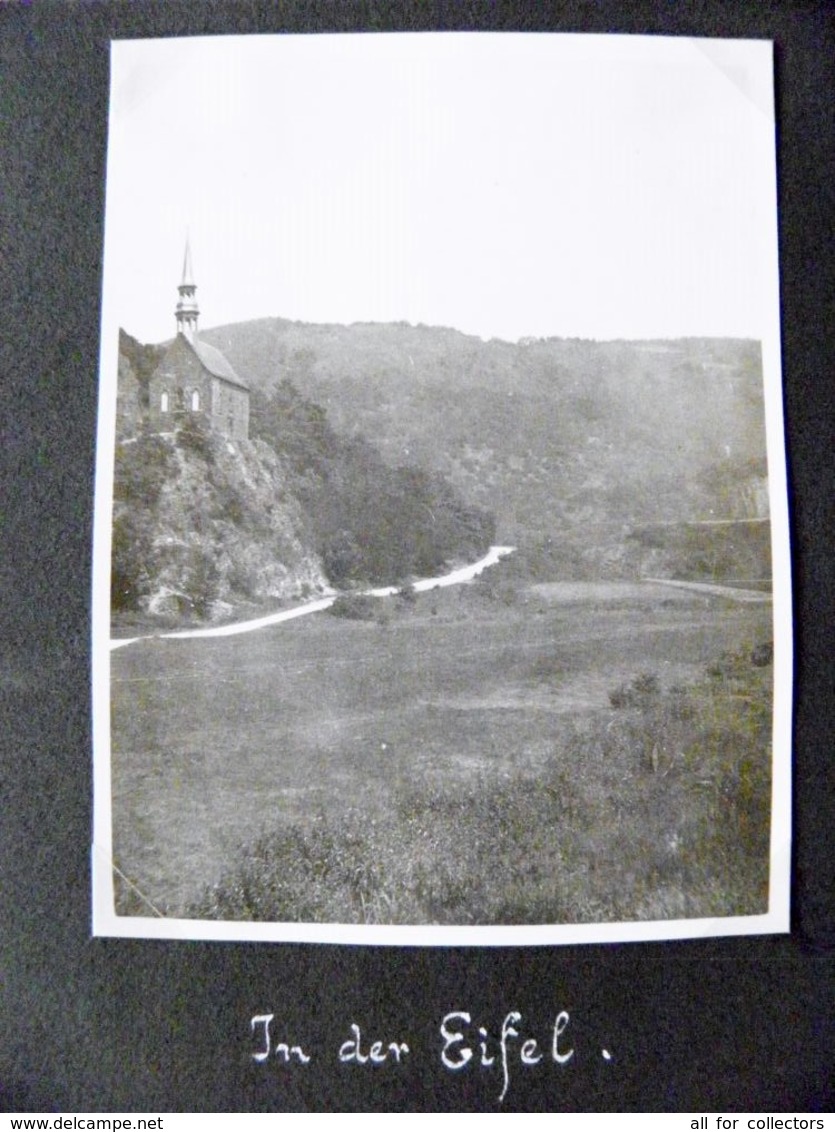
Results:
<point x="179" y="376"/>
<point x="230" y="408"/>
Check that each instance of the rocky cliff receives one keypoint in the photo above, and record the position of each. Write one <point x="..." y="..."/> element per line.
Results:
<point x="202" y="525"/>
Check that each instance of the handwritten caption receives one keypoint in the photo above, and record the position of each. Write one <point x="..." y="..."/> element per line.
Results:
<point x="463" y="1046"/>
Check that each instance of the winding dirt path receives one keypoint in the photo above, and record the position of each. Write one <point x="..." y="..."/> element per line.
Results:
<point x="454" y="578"/>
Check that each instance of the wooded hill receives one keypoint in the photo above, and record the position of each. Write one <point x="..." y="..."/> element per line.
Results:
<point x="571" y="442"/>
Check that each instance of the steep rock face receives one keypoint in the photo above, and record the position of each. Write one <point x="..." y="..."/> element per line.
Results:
<point x="202" y="524"/>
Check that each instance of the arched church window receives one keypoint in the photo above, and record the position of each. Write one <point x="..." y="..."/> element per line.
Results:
<point x="163" y="403"/>
<point x="195" y="401"/>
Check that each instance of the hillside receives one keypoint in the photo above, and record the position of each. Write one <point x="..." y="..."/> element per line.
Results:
<point x="571" y="438"/>
<point x="203" y="526"/>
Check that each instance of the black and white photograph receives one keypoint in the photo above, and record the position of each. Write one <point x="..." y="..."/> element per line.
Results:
<point x="441" y="568"/>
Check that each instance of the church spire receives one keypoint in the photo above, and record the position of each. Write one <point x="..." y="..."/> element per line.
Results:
<point x="187" y="310"/>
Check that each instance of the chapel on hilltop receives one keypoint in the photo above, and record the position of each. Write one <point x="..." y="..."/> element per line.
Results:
<point x="194" y="379"/>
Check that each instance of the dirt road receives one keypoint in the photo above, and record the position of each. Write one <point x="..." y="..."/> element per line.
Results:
<point x="456" y="577"/>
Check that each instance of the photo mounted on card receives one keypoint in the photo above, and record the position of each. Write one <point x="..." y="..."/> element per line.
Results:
<point x="441" y="573"/>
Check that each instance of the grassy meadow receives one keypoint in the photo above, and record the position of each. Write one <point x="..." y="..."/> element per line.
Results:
<point x="549" y="753"/>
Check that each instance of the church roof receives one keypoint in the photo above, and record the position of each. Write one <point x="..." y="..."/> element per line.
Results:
<point x="216" y="364"/>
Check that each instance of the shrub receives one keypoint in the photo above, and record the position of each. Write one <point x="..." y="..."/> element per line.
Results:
<point x="762" y="654"/>
<point x="619" y="697"/>
<point x="355" y="607"/>
<point x="637" y="693"/>
<point x="199" y="579"/>
<point x="195" y="436"/>
<point x="243" y="579"/>
<point x="646" y="684"/>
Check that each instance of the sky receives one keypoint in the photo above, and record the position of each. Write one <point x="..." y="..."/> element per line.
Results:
<point x="509" y="186"/>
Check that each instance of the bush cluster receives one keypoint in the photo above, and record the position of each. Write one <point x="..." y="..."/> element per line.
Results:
<point x="355" y="607"/>
<point x="195" y="436"/>
<point x="636" y="693"/>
